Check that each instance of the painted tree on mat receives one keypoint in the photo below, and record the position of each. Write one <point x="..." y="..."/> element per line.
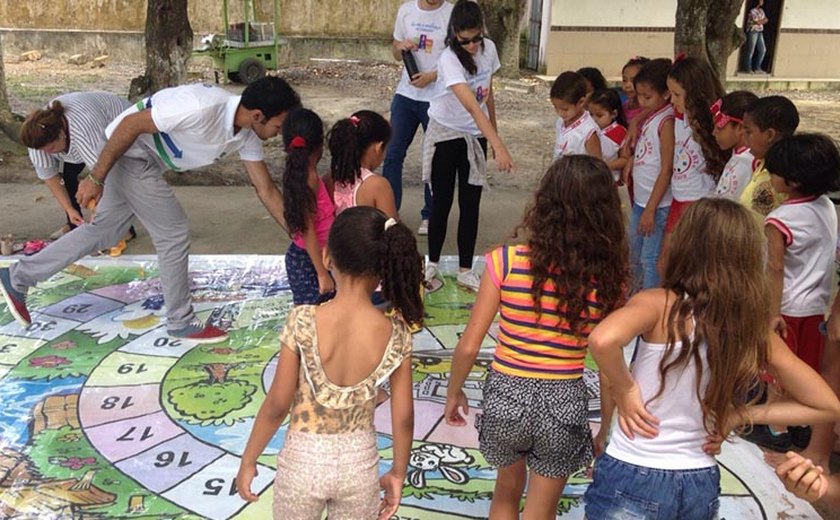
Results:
<point x="706" y="29"/>
<point x="211" y="400"/>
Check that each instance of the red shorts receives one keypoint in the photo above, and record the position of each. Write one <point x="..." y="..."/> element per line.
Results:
<point x="804" y="338"/>
<point x="677" y="209"/>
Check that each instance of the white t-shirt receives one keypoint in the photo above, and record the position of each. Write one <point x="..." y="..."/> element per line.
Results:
<point x="195" y="124"/>
<point x="679" y="445"/>
<point x="647" y="162"/>
<point x="736" y="174"/>
<point x="428" y="30"/>
<point x="571" y="140"/>
<point x="690" y="181"/>
<point x="445" y="107"/>
<point x="611" y="138"/>
<point x="809" y="228"/>
<point x="87" y="113"/>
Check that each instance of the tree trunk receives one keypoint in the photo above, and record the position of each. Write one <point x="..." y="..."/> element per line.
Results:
<point x="9" y="122"/>
<point x="169" y="42"/>
<point x="218" y="372"/>
<point x="503" y="18"/>
<point x="706" y="29"/>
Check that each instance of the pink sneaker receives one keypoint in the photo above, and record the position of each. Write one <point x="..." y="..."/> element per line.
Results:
<point x="200" y="333"/>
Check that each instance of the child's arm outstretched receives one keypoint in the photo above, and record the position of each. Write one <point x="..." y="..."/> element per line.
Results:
<point x="402" y="426"/>
<point x="813" y="400"/>
<point x="271" y="415"/>
<point x="663" y="180"/>
<point x="482" y="316"/>
<point x="606" y="342"/>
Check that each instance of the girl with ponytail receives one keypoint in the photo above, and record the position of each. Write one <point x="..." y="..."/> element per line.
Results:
<point x="357" y="145"/>
<point x="307" y="208"/>
<point x="333" y="358"/>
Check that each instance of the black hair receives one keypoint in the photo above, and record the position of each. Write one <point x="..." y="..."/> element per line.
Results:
<point x="466" y="15"/>
<point x="776" y="112"/>
<point x="609" y="99"/>
<point x="635" y="61"/>
<point x="594" y="77"/>
<point x="303" y="135"/>
<point x="359" y="245"/>
<point x="570" y="86"/>
<point x="736" y="103"/>
<point x="270" y="95"/>
<point x="810" y="160"/>
<point x="655" y="74"/>
<point x="348" y="140"/>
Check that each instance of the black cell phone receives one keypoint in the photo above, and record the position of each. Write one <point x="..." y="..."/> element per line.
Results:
<point x="410" y="64"/>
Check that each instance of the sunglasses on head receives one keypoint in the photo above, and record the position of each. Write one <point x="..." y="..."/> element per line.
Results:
<point x="478" y="38"/>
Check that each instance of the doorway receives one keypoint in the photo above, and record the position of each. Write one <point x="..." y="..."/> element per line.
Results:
<point x="773" y="10"/>
<point x="532" y="58"/>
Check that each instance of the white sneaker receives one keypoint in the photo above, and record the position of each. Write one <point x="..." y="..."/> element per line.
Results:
<point x="469" y="280"/>
<point x="423" y="230"/>
<point x="431" y="271"/>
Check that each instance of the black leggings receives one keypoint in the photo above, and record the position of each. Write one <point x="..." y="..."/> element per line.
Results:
<point x="70" y="175"/>
<point x="448" y="163"/>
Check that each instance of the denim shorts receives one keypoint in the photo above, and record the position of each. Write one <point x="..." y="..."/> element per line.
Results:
<point x="622" y="491"/>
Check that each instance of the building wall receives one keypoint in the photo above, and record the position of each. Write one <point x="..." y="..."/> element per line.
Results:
<point x="605" y="34"/>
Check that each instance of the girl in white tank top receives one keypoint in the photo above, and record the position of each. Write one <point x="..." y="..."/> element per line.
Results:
<point x="703" y="345"/>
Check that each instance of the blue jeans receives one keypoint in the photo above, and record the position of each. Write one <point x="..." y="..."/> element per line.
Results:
<point x="622" y="491"/>
<point x="406" y="115"/>
<point x="644" y="250"/>
<point x="755" y="42"/>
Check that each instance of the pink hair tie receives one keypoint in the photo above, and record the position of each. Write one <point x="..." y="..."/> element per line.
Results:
<point x="355" y="120"/>
<point x="298" y="142"/>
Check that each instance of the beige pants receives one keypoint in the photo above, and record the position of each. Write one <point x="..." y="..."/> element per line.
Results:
<point x="338" y="473"/>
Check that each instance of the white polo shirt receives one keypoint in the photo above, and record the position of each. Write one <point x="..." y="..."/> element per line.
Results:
<point x="571" y="140"/>
<point x="736" y="174"/>
<point x="445" y="107"/>
<point x="428" y="30"/>
<point x="809" y="228"/>
<point x="647" y="161"/>
<point x="690" y="180"/>
<point x="195" y="124"/>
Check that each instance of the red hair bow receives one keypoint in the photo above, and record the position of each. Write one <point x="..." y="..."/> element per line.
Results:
<point x="297" y="142"/>
<point x="679" y="57"/>
<point x="721" y="119"/>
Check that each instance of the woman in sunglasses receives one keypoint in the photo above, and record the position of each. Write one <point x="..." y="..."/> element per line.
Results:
<point x="462" y="119"/>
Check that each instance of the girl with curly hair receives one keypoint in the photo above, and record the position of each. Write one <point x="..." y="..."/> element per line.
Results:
<point x="307" y="208"/>
<point x="698" y="160"/>
<point x="702" y="343"/>
<point x="570" y="271"/>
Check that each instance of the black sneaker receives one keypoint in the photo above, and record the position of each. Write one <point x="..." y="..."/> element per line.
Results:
<point x="762" y="436"/>
<point x="800" y="436"/>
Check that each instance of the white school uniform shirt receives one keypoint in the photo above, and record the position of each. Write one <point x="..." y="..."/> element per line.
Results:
<point x="611" y="138"/>
<point x="689" y="181"/>
<point x="571" y="140"/>
<point x="87" y="113"/>
<point x="195" y="124"/>
<point x="736" y="174"/>
<point x="809" y="228"/>
<point x="647" y="161"/>
<point x="679" y="444"/>
<point x="444" y="106"/>
<point x="428" y="30"/>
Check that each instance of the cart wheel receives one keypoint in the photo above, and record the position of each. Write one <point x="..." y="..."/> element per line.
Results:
<point x="250" y="70"/>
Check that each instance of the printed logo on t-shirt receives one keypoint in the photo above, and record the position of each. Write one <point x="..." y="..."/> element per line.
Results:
<point x="644" y="149"/>
<point x="480" y="93"/>
<point x="424" y="43"/>
<point x="687" y="158"/>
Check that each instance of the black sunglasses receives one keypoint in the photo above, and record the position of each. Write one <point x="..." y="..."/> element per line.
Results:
<point x="478" y="38"/>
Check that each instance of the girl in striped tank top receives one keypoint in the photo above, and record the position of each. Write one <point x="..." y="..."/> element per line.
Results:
<point x="534" y="420"/>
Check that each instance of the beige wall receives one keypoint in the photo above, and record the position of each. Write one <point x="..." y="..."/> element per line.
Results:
<point x="802" y="55"/>
<point x="613" y="13"/>
<point x="298" y="17"/>
<point x="811" y="14"/>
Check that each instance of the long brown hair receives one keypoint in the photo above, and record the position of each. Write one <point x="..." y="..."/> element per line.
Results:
<point x="576" y="236"/>
<point x="43" y="126"/>
<point x="715" y="266"/>
<point x="702" y="89"/>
